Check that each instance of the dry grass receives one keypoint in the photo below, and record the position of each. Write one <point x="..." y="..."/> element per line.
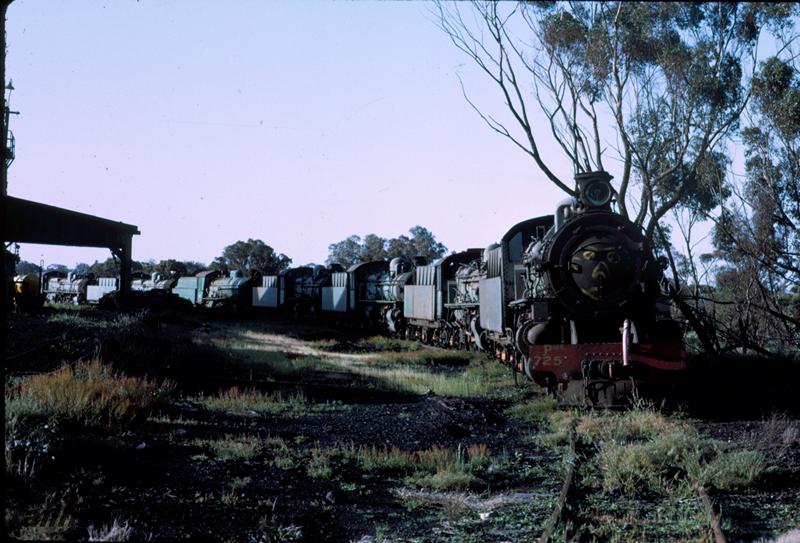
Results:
<point x="369" y="344"/>
<point x="474" y="381"/>
<point x="89" y="392"/>
<point x="52" y="521"/>
<point x="424" y="357"/>
<point x="235" y="401"/>
<point x="776" y="435"/>
<point x="632" y="425"/>
<point x="381" y="363"/>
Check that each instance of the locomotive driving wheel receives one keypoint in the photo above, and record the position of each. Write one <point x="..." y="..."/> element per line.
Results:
<point x="444" y="338"/>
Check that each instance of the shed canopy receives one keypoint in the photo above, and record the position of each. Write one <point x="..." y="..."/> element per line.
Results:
<point x="31" y="222"/>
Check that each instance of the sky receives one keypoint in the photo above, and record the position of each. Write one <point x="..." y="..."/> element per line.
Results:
<point x="298" y="123"/>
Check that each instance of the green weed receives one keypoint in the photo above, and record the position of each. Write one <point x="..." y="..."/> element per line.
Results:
<point x="231" y="447"/>
<point x="537" y="410"/>
<point x="319" y="466"/>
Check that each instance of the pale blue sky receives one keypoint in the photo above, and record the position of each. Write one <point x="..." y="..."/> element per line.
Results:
<point x="299" y="123"/>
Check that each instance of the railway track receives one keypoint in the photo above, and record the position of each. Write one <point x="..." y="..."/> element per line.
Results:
<point x="571" y="460"/>
<point x="713" y="518"/>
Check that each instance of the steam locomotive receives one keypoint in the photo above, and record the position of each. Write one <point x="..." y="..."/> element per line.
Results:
<point x="576" y="301"/>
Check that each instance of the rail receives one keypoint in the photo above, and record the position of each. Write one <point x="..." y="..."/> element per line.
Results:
<point x="555" y="516"/>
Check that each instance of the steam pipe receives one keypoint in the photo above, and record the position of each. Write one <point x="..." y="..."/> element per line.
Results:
<point x="561" y="211"/>
<point x="532" y="337"/>
<point x="626" y="337"/>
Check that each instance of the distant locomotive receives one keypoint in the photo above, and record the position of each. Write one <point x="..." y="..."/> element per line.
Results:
<point x="576" y="301"/>
<point x="155" y="282"/>
<point x="60" y="287"/>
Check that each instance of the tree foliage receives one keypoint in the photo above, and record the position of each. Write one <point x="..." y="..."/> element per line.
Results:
<point x="354" y="249"/>
<point x="756" y="235"/>
<point x="649" y="91"/>
<point x="170" y="266"/>
<point x="250" y="255"/>
<point x="23" y="267"/>
<point x="57" y="267"/>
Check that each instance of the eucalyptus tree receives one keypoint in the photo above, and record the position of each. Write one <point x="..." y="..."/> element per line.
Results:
<point x="249" y="255"/>
<point x="354" y="249"/>
<point x="757" y="234"/>
<point x="650" y="92"/>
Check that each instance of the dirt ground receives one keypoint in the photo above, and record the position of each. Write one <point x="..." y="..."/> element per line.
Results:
<point x="158" y="477"/>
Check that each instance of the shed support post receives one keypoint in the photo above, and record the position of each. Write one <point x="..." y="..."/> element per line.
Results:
<point x="125" y="272"/>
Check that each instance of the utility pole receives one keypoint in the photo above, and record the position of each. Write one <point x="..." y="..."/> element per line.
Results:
<point x="8" y="262"/>
<point x="7" y="153"/>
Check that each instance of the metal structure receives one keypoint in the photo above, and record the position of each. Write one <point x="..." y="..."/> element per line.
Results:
<point x="24" y="221"/>
<point x="32" y="222"/>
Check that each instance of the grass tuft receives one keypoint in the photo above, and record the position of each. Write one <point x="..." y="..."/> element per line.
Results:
<point x="89" y="392"/>
<point x="643" y="452"/>
<point x="636" y="424"/>
<point x="319" y="467"/>
<point x="232" y="448"/>
<point x="437" y="468"/>
<point x="536" y="411"/>
<point x="235" y="401"/>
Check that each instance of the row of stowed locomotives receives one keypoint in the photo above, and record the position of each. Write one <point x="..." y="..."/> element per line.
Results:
<point x="56" y="286"/>
<point x="60" y="287"/>
<point x="368" y="293"/>
<point x="576" y="300"/>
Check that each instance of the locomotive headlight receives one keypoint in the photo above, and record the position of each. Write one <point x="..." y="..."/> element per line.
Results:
<point x="597" y="193"/>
